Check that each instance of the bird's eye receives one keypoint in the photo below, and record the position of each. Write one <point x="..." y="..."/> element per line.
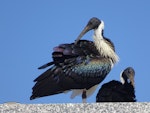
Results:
<point x="90" y="23"/>
<point x="129" y="71"/>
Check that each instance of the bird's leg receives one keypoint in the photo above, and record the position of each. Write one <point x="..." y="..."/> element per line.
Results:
<point x="84" y="96"/>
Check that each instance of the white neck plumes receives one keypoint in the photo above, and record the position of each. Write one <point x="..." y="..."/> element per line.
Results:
<point x="121" y="78"/>
<point x="103" y="46"/>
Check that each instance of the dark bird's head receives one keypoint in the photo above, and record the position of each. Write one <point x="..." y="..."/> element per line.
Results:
<point x="104" y="46"/>
<point x="92" y="24"/>
<point x="127" y="76"/>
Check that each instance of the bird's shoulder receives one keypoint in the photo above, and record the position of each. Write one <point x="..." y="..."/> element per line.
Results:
<point x="82" y="48"/>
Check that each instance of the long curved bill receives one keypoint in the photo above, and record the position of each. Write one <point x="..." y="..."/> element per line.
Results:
<point x="84" y="31"/>
<point x="132" y="81"/>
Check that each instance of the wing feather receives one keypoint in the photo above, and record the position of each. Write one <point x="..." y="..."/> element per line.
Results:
<point x="74" y="67"/>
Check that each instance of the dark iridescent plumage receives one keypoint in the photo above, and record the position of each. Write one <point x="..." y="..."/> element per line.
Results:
<point x="77" y="66"/>
<point x="115" y="91"/>
<point x="74" y="67"/>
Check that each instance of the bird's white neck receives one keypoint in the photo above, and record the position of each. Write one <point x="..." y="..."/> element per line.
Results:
<point x="121" y="78"/>
<point x="102" y="45"/>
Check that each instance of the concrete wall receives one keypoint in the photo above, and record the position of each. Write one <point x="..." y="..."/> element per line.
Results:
<point x="137" y="107"/>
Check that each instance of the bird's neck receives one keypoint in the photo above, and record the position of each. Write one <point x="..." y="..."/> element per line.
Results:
<point x="104" y="48"/>
<point x="121" y="78"/>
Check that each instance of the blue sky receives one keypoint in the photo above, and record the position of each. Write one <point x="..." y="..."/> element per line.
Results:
<point x="30" y="29"/>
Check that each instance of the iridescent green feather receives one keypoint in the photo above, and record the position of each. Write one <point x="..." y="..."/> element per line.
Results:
<point x="93" y="68"/>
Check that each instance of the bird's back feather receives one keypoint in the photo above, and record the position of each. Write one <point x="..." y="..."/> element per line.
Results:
<point x="115" y="91"/>
<point x="74" y="66"/>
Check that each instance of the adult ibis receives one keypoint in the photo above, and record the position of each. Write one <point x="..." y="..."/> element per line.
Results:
<point x="78" y="67"/>
<point x="116" y="91"/>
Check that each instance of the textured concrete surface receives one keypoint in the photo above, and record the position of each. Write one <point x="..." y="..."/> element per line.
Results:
<point x="138" y="107"/>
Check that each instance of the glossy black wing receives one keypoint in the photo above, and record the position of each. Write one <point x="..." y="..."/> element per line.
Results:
<point x="67" y="52"/>
<point x="115" y="91"/>
<point x="74" y="67"/>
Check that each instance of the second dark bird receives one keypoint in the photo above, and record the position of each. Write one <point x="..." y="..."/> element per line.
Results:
<point x="115" y="91"/>
<point x="78" y="67"/>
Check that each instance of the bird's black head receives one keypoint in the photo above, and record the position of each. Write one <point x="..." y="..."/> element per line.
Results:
<point x="128" y="75"/>
<point x="92" y="24"/>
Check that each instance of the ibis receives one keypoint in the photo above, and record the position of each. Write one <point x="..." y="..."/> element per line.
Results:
<point x="116" y="91"/>
<point x="79" y="66"/>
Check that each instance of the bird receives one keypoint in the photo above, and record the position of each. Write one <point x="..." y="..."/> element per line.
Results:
<point x="79" y="66"/>
<point x="116" y="91"/>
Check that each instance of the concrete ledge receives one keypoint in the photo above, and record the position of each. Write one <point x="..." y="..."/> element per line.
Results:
<point x="137" y="107"/>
